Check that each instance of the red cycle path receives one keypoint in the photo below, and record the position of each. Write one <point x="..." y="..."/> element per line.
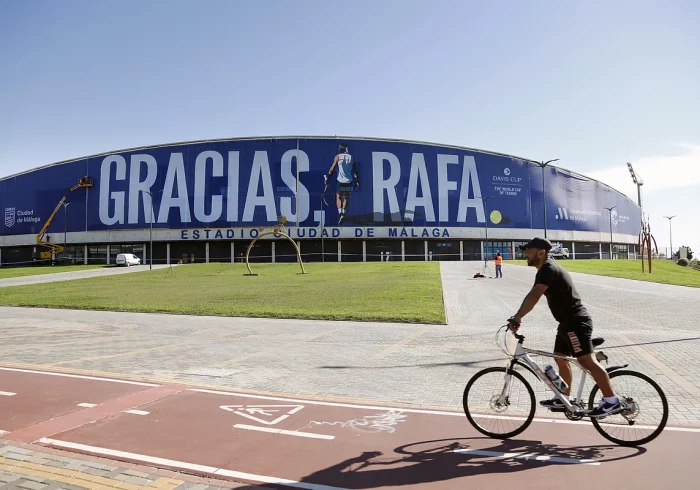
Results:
<point x="322" y="446"/>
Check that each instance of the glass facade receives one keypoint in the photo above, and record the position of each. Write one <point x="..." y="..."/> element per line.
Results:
<point x="378" y="250"/>
<point x="443" y="250"/>
<point x="472" y="249"/>
<point x="587" y="250"/>
<point x="504" y="247"/>
<point x="519" y="254"/>
<point x="620" y="252"/>
<point x="415" y="250"/>
<point x="375" y="250"/>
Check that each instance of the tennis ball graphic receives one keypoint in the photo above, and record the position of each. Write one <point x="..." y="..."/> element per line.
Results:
<point x="496" y="217"/>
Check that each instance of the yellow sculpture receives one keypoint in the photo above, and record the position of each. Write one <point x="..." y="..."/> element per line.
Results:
<point x="278" y="229"/>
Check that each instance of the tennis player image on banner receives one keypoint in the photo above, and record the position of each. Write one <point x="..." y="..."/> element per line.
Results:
<point x="344" y="178"/>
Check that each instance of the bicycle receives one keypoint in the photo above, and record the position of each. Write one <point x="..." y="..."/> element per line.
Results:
<point x="640" y="404"/>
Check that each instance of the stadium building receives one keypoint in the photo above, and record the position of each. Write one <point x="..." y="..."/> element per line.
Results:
<point x="205" y="201"/>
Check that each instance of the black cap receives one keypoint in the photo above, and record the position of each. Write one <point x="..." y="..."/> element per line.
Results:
<point x="537" y="242"/>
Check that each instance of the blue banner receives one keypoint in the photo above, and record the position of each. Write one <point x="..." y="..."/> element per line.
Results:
<point x="252" y="182"/>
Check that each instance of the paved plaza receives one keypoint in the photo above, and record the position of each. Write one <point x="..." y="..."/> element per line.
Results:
<point x="652" y="327"/>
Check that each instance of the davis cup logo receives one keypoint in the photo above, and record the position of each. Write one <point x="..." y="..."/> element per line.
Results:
<point x="613" y="217"/>
<point x="506" y="171"/>
<point x="10" y="217"/>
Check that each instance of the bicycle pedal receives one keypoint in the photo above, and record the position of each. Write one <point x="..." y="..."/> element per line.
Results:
<point x="558" y="409"/>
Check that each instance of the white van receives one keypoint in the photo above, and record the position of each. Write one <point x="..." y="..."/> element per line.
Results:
<point x="128" y="259"/>
<point x="559" y="253"/>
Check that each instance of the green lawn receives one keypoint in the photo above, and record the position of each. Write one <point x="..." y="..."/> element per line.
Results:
<point x="393" y="292"/>
<point x="35" y="270"/>
<point x="663" y="271"/>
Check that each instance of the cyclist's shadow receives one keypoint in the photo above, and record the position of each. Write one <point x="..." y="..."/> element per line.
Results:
<point x="450" y="459"/>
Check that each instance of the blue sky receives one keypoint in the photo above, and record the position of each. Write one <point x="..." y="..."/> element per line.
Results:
<point x="594" y="83"/>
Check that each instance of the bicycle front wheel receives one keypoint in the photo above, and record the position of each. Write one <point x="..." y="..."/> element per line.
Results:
<point x="645" y="415"/>
<point x="490" y="413"/>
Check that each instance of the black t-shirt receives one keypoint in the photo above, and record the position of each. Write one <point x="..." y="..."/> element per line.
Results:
<point x="562" y="297"/>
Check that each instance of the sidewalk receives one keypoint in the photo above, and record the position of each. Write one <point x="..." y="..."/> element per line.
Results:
<point x="30" y="467"/>
<point x="73" y="275"/>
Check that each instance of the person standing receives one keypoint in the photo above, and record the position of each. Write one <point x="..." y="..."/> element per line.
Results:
<point x="499" y="263"/>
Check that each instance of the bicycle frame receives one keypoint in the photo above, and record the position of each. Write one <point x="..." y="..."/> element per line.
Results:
<point x="522" y="353"/>
<point x="522" y="357"/>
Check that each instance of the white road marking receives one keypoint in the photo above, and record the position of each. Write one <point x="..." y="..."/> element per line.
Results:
<point x="136" y="412"/>
<point x="528" y="456"/>
<point x="7" y="393"/>
<point x="87" y="405"/>
<point x="252" y="411"/>
<point x="285" y="432"/>
<point x="415" y="410"/>
<point x="186" y="466"/>
<point x="79" y="376"/>
<point x="2" y="432"/>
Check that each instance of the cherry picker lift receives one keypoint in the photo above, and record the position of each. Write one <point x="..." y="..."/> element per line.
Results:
<point x="53" y="248"/>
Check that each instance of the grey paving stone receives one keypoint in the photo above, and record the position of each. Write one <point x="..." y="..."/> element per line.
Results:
<point x="29" y="484"/>
<point x="420" y="365"/>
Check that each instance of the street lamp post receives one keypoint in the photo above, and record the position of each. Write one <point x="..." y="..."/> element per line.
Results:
<point x="65" y="227"/>
<point x="486" y="215"/>
<point x="150" y="233"/>
<point x="638" y="182"/>
<point x="542" y="165"/>
<point x="670" y="233"/>
<point x="611" y="240"/>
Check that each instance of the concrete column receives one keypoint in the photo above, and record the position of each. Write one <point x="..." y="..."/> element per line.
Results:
<point x="600" y="251"/>
<point x="425" y="249"/>
<point x="403" y="251"/>
<point x="573" y="250"/>
<point x="109" y="253"/>
<point x="482" y="250"/>
<point x="167" y="253"/>
<point x="145" y="253"/>
<point x="206" y="253"/>
<point x="364" y="251"/>
<point x="512" y="250"/>
<point x="233" y="254"/>
<point x="273" y="251"/>
<point x="340" y="254"/>
<point x="610" y="246"/>
<point x="0" y="257"/>
<point x="461" y="250"/>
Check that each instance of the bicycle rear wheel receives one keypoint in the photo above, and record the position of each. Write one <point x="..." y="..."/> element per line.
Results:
<point x="646" y="416"/>
<point x="481" y="406"/>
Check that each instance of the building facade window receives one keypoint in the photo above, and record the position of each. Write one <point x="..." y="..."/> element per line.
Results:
<point x="505" y="249"/>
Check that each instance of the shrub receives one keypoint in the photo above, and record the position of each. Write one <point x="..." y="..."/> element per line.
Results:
<point x="683" y="262"/>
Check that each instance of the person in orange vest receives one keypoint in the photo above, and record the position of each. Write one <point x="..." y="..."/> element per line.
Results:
<point x="499" y="263"/>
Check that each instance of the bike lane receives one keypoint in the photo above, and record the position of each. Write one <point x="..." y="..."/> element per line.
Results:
<point x="325" y="445"/>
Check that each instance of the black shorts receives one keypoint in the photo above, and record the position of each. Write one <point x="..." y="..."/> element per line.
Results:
<point x="343" y="188"/>
<point x="574" y="339"/>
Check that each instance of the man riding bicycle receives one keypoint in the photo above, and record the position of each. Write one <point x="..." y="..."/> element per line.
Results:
<point x="575" y="325"/>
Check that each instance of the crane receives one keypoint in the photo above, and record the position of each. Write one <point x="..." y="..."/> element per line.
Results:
<point x="53" y="248"/>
